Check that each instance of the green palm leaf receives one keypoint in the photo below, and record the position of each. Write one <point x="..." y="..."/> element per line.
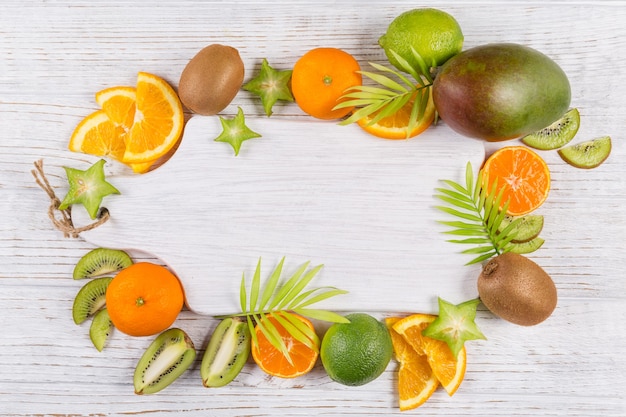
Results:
<point x="283" y="302"/>
<point x="394" y="90"/>
<point x="481" y="212"/>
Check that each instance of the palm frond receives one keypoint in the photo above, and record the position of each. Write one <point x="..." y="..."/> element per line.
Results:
<point x="283" y="302"/>
<point x="481" y="211"/>
<point x="393" y="91"/>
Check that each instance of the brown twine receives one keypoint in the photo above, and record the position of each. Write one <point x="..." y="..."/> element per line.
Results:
<point x="64" y="223"/>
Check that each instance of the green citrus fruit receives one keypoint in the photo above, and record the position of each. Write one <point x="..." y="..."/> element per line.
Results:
<point x="358" y="352"/>
<point x="433" y="33"/>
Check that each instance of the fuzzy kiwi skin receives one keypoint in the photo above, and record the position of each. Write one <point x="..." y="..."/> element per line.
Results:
<point x="211" y="79"/>
<point x="517" y="289"/>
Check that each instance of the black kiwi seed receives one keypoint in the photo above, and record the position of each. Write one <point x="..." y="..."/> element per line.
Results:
<point x="90" y="298"/>
<point x="101" y="261"/>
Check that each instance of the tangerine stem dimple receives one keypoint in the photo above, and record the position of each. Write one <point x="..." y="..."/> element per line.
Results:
<point x="139" y="301"/>
<point x="327" y="80"/>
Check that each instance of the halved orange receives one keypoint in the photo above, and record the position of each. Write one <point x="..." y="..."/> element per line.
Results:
<point x="396" y="126"/>
<point x="449" y="370"/>
<point x="524" y="176"/>
<point x="272" y="360"/>
<point x="158" y="122"/>
<point x="97" y="135"/>
<point x="416" y="379"/>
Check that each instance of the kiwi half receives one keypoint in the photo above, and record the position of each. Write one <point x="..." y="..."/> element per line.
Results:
<point x="226" y="353"/>
<point x="556" y="135"/>
<point x="101" y="261"/>
<point x="587" y="154"/>
<point x="100" y="329"/>
<point x="90" y="299"/>
<point x="167" y="358"/>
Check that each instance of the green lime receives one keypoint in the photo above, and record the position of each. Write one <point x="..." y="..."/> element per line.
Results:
<point x="433" y="33"/>
<point x="358" y="352"/>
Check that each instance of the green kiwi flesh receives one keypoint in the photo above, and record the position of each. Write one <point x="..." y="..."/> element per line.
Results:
<point x="90" y="299"/>
<point x="557" y="134"/>
<point x="527" y="247"/>
<point x="101" y="261"/>
<point x="167" y="358"/>
<point x="526" y="227"/>
<point x="226" y="353"/>
<point x="100" y="329"/>
<point x="588" y="154"/>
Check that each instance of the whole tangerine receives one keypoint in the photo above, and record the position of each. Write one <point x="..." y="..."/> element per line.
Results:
<point x="320" y="77"/>
<point x="144" y="299"/>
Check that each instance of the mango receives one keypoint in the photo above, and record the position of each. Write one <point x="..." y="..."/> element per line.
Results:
<point x="500" y="91"/>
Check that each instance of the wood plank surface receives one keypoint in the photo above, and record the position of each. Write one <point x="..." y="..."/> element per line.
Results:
<point x="54" y="56"/>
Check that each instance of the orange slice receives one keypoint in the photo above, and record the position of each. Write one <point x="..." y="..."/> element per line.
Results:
<point x="119" y="105"/>
<point x="97" y="135"/>
<point x="416" y="379"/>
<point x="273" y="362"/>
<point x="158" y="121"/>
<point x="396" y="126"/>
<point x="524" y="176"/>
<point x="449" y="370"/>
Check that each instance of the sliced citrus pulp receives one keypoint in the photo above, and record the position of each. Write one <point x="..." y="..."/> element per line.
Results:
<point x="158" y="121"/>
<point x="448" y="370"/>
<point x="416" y="379"/>
<point x="522" y="174"/>
<point x="302" y="356"/>
<point x="97" y="135"/>
<point x="119" y="103"/>
<point x="396" y="126"/>
<point x="136" y="125"/>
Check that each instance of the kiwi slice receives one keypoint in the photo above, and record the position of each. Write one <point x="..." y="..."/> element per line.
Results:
<point x="101" y="328"/>
<point x="167" y="358"/>
<point x="101" y="261"/>
<point x="526" y="227"/>
<point x="226" y="353"/>
<point x="588" y="154"/>
<point x="90" y="298"/>
<point x="558" y="134"/>
<point x="527" y="247"/>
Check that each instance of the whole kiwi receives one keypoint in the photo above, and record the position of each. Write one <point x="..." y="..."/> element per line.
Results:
<point x="517" y="289"/>
<point x="211" y="79"/>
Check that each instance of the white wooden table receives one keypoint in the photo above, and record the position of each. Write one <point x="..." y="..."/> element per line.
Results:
<point x="54" y="55"/>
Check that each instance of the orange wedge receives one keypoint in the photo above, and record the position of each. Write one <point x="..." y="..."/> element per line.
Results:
<point x="449" y="370"/>
<point x="158" y="122"/>
<point x="97" y="135"/>
<point x="416" y="379"/>
<point x="396" y="126"/>
<point x="119" y="105"/>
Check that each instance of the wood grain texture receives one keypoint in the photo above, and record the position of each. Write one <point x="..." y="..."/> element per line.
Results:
<point x="309" y="191"/>
<point x="55" y="55"/>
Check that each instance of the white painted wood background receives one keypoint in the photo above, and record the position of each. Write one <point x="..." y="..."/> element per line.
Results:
<point x="54" y="55"/>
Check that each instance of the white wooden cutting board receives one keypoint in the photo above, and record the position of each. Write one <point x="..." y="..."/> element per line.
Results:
<point x="334" y="195"/>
